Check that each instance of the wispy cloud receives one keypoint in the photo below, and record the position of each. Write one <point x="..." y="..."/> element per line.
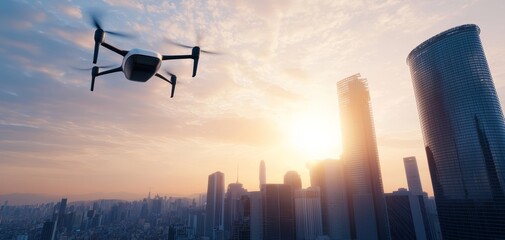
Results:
<point x="279" y="59"/>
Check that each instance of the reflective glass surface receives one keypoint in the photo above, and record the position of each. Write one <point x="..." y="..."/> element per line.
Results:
<point x="464" y="133"/>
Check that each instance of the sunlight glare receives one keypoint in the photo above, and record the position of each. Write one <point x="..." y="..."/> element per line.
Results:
<point x="315" y="136"/>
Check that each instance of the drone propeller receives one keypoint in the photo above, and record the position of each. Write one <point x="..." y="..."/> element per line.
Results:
<point x="100" y="33"/>
<point x="96" y="22"/>
<point x="195" y="52"/>
<point x="192" y="47"/>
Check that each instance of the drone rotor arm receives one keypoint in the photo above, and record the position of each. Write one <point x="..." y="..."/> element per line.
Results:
<point x="95" y="73"/>
<point x="174" y="57"/>
<point x="196" y="56"/>
<point x="118" y="69"/>
<point x="173" y="81"/>
<point x="162" y="77"/>
<point x="115" y="49"/>
<point x="99" y="38"/>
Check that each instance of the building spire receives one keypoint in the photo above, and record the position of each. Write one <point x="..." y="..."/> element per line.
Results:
<point x="263" y="177"/>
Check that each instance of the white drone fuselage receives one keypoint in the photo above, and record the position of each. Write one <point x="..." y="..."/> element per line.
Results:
<point x="140" y="65"/>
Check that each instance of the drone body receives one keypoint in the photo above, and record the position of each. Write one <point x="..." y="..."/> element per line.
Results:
<point x="138" y="65"/>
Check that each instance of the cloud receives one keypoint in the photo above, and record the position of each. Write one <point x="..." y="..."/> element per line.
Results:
<point x="126" y="3"/>
<point x="72" y="11"/>
<point x="279" y="58"/>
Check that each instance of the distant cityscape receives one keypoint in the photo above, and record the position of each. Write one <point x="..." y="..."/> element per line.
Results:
<point x="464" y="136"/>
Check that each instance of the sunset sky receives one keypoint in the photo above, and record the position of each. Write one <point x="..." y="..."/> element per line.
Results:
<point x="270" y="96"/>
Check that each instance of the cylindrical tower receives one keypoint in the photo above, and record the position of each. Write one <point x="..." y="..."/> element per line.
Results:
<point x="463" y="131"/>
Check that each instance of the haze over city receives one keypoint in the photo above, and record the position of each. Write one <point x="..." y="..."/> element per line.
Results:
<point x="270" y="96"/>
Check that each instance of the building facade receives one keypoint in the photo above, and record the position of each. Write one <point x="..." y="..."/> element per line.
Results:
<point x="263" y="174"/>
<point x="407" y="216"/>
<point x="214" y="217"/>
<point x="366" y="194"/>
<point x="328" y="176"/>
<point x="278" y="212"/>
<point x="292" y="178"/>
<point x="412" y="172"/>
<point x="464" y="133"/>
<point x="233" y="207"/>
<point x="256" y="216"/>
<point x="309" y="224"/>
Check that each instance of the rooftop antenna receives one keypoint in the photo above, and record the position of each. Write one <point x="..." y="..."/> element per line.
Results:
<point x="237" y="172"/>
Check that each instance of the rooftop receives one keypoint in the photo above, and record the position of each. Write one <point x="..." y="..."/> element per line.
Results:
<point x="440" y="36"/>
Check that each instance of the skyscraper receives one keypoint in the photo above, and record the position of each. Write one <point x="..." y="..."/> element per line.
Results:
<point x="232" y="207"/>
<point x="329" y="176"/>
<point x="256" y="223"/>
<point x="428" y="207"/>
<point x="215" y="206"/>
<point x="464" y="133"/>
<point x="292" y="178"/>
<point x="263" y="174"/>
<point x="48" y="230"/>
<point x="308" y="213"/>
<point x="366" y="200"/>
<point x="412" y="172"/>
<point x="408" y="217"/>
<point x="278" y="212"/>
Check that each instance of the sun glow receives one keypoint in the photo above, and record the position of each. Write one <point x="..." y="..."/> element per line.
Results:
<point x="316" y="136"/>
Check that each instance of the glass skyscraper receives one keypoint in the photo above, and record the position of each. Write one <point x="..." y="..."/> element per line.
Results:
<point x="278" y="212"/>
<point x="412" y="172"/>
<point x="464" y="133"/>
<point x="214" y="209"/>
<point x="368" y="214"/>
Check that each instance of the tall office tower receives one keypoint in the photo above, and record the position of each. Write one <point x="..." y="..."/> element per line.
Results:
<point x="215" y="206"/>
<point x="242" y="226"/>
<point x="278" y="212"/>
<point x="256" y="217"/>
<point x="431" y="209"/>
<point x="329" y="176"/>
<point x="408" y="217"/>
<point x="232" y="207"/>
<point x="412" y="172"/>
<point x="156" y="205"/>
<point x="48" y="230"/>
<point x="428" y="206"/>
<point x="263" y="174"/>
<point x="196" y="221"/>
<point x="308" y="218"/>
<point x="368" y="209"/>
<point x="60" y="215"/>
<point x="144" y="211"/>
<point x="464" y="133"/>
<point x="292" y="178"/>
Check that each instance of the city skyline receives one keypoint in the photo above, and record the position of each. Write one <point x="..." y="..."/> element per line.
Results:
<point x="256" y="102"/>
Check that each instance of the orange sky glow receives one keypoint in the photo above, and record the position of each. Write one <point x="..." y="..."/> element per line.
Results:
<point x="270" y="96"/>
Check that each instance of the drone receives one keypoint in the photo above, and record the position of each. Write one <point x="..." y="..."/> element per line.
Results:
<point x="138" y="65"/>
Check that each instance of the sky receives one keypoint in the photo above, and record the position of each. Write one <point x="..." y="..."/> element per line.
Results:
<point x="271" y="95"/>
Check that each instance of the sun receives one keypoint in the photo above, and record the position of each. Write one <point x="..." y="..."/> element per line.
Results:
<point x="316" y="136"/>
